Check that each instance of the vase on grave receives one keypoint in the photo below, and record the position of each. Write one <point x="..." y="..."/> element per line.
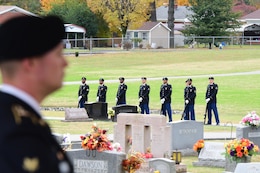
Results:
<point x="231" y="164"/>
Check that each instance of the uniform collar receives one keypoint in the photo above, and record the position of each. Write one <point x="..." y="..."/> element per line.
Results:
<point x="9" y="89"/>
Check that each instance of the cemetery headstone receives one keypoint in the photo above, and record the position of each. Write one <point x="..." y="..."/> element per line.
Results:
<point x="123" y="109"/>
<point x="253" y="134"/>
<point x="90" y="161"/>
<point x="76" y="115"/>
<point x="188" y="131"/>
<point x="212" y="155"/>
<point x="163" y="165"/>
<point x="97" y="110"/>
<point x="253" y="167"/>
<point x="144" y="131"/>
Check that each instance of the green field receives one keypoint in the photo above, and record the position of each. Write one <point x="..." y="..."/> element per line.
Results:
<point x="238" y="94"/>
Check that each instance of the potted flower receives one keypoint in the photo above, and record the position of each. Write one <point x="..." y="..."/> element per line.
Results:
<point x="133" y="161"/>
<point x="239" y="150"/>
<point x="198" y="146"/>
<point x="96" y="140"/>
<point x="251" y="119"/>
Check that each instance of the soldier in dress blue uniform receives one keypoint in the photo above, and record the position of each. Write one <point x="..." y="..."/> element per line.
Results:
<point x="144" y="96"/>
<point x="32" y="66"/>
<point x="102" y="91"/>
<point x="189" y="98"/>
<point x="83" y="93"/>
<point x="165" y="96"/>
<point x="121" y="92"/>
<point x="211" y="100"/>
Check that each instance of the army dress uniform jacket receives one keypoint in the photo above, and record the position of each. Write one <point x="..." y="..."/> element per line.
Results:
<point x="102" y="92"/>
<point x="26" y="142"/>
<point x="121" y="93"/>
<point x="144" y="93"/>
<point x="211" y="93"/>
<point x="166" y="92"/>
<point x="190" y="94"/>
<point x="83" y="91"/>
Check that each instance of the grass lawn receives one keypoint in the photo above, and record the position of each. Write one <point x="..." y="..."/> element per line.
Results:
<point x="237" y="95"/>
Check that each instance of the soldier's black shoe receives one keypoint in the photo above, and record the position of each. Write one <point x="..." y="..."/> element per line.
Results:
<point x="208" y="124"/>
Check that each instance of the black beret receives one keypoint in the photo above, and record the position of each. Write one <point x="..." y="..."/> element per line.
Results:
<point x="29" y="36"/>
<point x="101" y="79"/>
<point x="165" y="78"/>
<point x="122" y="78"/>
<point x="144" y="78"/>
<point x="83" y="78"/>
<point x="211" y="77"/>
<point x="189" y="80"/>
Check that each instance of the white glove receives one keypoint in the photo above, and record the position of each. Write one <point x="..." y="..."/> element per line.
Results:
<point x="140" y="99"/>
<point x="207" y="100"/>
<point x="163" y="100"/>
<point x="97" y="99"/>
<point x="80" y="97"/>
<point x="187" y="102"/>
<point x="116" y="99"/>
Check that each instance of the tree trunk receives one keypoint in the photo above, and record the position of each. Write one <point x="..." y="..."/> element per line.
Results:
<point x="153" y="17"/>
<point x="171" y="22"/>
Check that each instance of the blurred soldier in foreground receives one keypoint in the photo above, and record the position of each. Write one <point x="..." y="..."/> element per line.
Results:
<point x="32" y="67"/>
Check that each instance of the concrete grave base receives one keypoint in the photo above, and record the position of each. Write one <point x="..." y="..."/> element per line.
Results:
<point x="76" y="115"/>
<point x="212" y="155"/>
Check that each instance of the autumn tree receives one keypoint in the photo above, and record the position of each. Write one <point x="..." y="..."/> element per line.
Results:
<point x="171" y="22"/>
<point x="212" y="18"/>
<point x="119" y="14"/>
<point x="46" y="5"/>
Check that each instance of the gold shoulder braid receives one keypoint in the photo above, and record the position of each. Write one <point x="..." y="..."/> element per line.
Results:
<point x="31" y="164"/>
<point x="19" y="112"/>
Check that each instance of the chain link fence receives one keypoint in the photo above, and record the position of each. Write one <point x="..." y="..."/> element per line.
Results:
<point x="99" y="45"/>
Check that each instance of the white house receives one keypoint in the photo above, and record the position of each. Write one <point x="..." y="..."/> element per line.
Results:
<point x="155" y="34"/>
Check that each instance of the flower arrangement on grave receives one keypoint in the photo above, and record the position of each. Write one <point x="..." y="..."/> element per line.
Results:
<point x="238" y="148"/>
<point x="96" y="140"/>
<point x="198" y="145"/>
<point x="251" y="119"/>
<point x="148" y="154"/>
<point x="133" y="161"/>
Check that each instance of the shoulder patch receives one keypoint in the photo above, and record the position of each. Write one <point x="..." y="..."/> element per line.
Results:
<point x="31" y="164"/>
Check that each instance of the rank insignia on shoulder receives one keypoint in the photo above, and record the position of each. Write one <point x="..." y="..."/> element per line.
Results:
<point x="31" y="164"/>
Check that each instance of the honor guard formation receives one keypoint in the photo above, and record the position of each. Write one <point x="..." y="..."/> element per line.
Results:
<point x="165" y="97"/>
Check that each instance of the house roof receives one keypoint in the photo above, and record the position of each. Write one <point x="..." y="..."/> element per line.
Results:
<point x="74" y="28"/>
<point x="148" y="26"/>
<point x="180" y="13"/>
<point x="253" y="15"/>
<point x="7" y="8"/>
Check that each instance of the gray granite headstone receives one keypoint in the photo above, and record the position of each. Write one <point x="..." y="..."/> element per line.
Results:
<point x="90" y="161"/>
<point x="188" y="131"/>
<point x="163" y="165"/>
<point x="76" y="114"/>
<point x="253" y="134"/>
<point x="253" y="167"/>
<point x="212" y="155"/>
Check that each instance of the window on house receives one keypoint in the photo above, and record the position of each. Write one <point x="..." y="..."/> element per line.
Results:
<point x="144" y="36"/>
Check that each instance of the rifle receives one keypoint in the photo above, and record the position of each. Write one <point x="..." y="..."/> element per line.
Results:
<point x="205" y="114"/>
<point x="162" y="109"/>
<point x="182" y="116"/>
